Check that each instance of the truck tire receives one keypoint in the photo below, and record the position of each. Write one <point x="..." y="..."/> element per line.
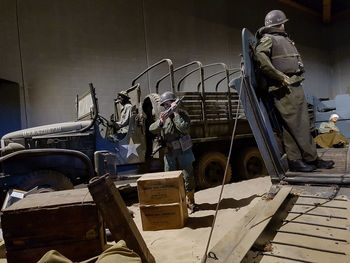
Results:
<point x="211" y="169"/>
<point x="46" y="180"/>
<point x="251" y="163"/>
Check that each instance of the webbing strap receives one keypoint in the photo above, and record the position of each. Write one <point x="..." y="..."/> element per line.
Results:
<point x="285" y="56"/>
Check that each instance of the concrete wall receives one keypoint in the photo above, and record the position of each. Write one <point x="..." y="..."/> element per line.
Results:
<point x="339" y="42"/>
<point x="63" y="45"/>
<point x="10" y="62"/>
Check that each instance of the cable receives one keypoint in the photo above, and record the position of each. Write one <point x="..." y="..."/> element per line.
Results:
<point x="227" y="163"/>
<point x="21" y="64"/>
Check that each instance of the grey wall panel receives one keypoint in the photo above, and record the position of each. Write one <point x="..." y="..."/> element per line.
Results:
<point x="10" y="62"/>
<point x="10" y="114"/>
<point x="340" y="68"/>
<point x="9" y="48"/>
<point x="183" y="30"/>
<point x="211" y="32"/>
<point x="317" y="71"/>
<point x="67" y="44"/>
<point x="339" y="53"/>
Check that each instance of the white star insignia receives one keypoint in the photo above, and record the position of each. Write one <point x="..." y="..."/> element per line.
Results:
<point x="131" y="147"/>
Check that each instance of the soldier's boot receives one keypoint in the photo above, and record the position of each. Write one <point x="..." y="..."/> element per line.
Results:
<point x="322" y="164"/>
<point x="300" y="166"/>
<point x="192" y="206"/>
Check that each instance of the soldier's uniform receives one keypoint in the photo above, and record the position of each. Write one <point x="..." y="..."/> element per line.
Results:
<point x="122" y="126"/>
<point x="275" y="62"/>
<point x="119" y="252"/>
<point x="330" y="135"/>
<point x="178" y="154"/>
<point x="328" y="127"/>
<point x="281" y="64"/>
<point x="119" y="129"/>
<point x="173" y="128"/>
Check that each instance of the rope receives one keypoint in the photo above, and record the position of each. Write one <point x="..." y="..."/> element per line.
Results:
<point x="225" y="174"/>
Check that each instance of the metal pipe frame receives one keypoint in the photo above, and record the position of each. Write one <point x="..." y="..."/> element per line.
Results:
<point x="171" y="72"/>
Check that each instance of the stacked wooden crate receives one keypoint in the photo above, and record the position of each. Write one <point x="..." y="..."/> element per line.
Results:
<point x="67" y="221"/>
<point x="162" y="200"/>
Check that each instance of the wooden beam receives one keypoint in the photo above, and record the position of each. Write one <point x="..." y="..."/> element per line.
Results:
<point x="326" y="11"/>
<point x="237" y="242"/>
<point x="300" y="7"/>
<point x="117" y="217"/>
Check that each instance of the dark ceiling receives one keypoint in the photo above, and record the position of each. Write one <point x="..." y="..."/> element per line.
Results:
<point x="327" y="10"/>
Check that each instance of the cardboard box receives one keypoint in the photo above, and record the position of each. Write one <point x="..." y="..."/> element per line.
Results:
<point x="164" y="216"/>
<point x="161" y="188"/>
<point x="67" y="221"/>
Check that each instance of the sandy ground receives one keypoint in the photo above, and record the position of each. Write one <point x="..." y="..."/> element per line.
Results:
<point x="188" y="244"/>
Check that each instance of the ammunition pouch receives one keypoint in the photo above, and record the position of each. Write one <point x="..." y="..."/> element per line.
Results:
<point x="184" y="143"/>
<point x="175" y="145"/>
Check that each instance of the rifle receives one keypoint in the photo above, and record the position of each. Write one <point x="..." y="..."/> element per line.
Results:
<point x="160" y="140"/>
<point x="160" y="143"/>
<point x="170" y="110"/>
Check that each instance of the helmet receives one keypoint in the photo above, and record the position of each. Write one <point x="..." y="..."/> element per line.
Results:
<point x="275" y="17"/>
<point x="167" y="96"/>
<point x="122" y="95"/>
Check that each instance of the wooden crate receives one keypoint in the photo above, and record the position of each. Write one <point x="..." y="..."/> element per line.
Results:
<point x="67" y="221"/>
<point x="161" y="188"/>
<point x="164" y="216"/>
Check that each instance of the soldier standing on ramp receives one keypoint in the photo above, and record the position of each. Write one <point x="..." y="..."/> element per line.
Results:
<point x="281" y="65"/>
<point x="174" y="129"/>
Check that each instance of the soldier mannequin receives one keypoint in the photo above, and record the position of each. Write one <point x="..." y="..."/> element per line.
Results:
<point x="281" y="65"/>
<point x="172" y="128"/>
<point x="330" y="135"/>
<point x="121" y="127"/>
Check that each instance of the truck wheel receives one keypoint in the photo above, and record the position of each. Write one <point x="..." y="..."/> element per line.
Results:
<point x="252" y="164"/>
<point x="211" y="170"/>
<point x="46" y="180"/>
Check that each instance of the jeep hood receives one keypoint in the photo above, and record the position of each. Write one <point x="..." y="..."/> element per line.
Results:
<point x="56" y="128"/>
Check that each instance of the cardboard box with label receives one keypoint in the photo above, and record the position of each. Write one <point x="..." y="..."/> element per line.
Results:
<point x="162" y="200"/>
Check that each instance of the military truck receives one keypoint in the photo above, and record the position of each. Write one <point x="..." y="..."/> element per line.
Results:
<point x="213" y="114"/>
<point x="59" y="156"/>
<point x="305" y="216"/>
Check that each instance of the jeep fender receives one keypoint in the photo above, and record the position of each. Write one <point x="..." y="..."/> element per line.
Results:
<point x="73" y="164"/>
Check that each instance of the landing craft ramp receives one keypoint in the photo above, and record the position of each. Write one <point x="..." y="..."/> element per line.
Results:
<point x="315" y="228"/>
<point x="291" y="224"/>
<point x="306" y="216"/>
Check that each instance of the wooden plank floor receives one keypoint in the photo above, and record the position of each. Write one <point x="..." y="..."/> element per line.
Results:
<point x="340" y="156"/>
<point x="315" y="230"/>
